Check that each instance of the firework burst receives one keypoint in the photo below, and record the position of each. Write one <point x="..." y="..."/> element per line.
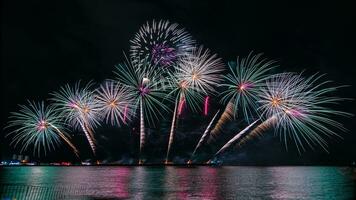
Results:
<point x="244" y="82"/>
<point x="195" y="76"/>
<point x="39" y="126"/>
<point x="161" y="43"/>
<point x="115" y="102"/>
<point x="146" y="87"/>
<point x="79" y="108"/>
<point x="200" y="70"/>
<point x="303" y="108"/>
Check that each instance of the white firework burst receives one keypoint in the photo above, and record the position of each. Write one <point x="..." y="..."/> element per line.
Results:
<point x="115" y="102"/>
<point x="200" y="70"/>
<point x="302" y="108"/>
<point x="161" y="43"/>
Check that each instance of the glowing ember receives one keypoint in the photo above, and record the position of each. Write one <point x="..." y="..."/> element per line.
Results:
<point x="180" y="106"/>
<point x="145" y="80"/>
<point x="206" y="104"/>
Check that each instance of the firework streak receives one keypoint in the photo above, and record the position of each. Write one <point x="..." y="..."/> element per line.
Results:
<point x="225" y="117"/>
<point x="142" y="128"/>
<point x="89" y="136"/>
<point x="62" y="135"/>
<point x="236" y="137"/>
<point x="259" y="130"/>
<point x="171" y="133"/>
<point x="205" y="134"/>
<point x="206" y="105"/>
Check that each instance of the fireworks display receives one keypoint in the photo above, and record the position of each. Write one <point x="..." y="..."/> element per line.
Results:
<point x="161" y="43"/>
<point x="296" y="108"/>
<point x="39" y="126"/>
<point x="300" y="109"/>
<point x="79" y="108"/>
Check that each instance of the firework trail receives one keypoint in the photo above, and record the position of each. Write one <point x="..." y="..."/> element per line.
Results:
<point x="226" y="116"/>
<point x="195" y="76"/>
<point x="206" y="105"/>
<point x="171" y="133"/>
<point x="162" y="43"/>
<point x="205" y="134"/>
<point x="259" y="130"/>
<point x="236" y="137"/>
<point x="79" y="108"/>
<point x="115" y="102"/>
<point x="180" y="106"/>
<point x="145" y="86"/>
<point x="38" y="125"/>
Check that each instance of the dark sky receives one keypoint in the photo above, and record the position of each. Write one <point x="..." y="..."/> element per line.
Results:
<point x="45" y="45"/>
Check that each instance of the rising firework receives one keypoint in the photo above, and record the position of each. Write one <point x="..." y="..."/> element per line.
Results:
<point x="79" y="108"/>
<point x="146" y="88"/>
<point x="205" y="134"/>
<point x="237" y="137"/>
<point x="115" y="102"/>
<point x="39" y="126"/>
<point x="161" y="43"/>
<point x="196" y="75"/>
<point x="226" y="116"/>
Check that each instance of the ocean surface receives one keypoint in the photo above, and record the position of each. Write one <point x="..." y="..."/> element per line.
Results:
<point x="201" y="182"/>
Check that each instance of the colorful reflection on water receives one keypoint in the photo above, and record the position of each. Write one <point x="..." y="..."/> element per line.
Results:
<point x="40" y="182"/>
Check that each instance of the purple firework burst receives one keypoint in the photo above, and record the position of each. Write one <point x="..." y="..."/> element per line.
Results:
<point x="161" y="43"/>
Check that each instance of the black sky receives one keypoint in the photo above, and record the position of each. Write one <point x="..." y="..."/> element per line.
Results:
<point x="46" y="44"/>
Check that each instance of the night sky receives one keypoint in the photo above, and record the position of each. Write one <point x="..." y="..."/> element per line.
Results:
<point x="45" y="45"/>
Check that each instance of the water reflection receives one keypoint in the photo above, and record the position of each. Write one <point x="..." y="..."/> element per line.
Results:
<point x="176" y="183"/>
